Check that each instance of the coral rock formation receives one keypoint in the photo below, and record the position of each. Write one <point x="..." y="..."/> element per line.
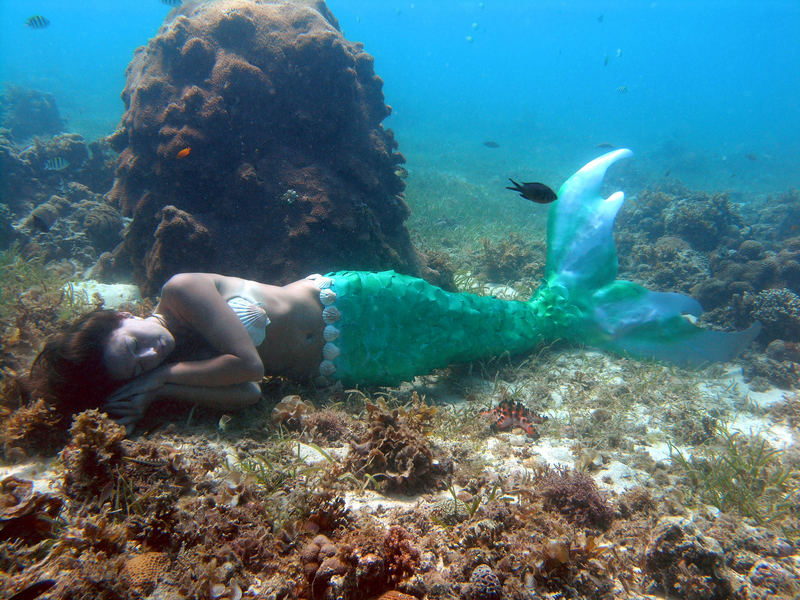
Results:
<point x="144" y="570"/>
<point x="484" y="584"/>
<point x="263" y="124"/>
<point x="686" y="563"/>
<point x="26" y="113"/>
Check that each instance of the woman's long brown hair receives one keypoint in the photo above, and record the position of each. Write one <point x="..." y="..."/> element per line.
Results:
<point x="69" y="372"/>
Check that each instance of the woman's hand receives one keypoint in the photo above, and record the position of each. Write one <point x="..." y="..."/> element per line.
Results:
<point x="129" y="403"/>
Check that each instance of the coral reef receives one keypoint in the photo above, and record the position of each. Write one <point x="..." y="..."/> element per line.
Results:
<point x="484" y="584"/>
<point x="677" y="240"/>
<point x="683" y="562"/>
<point x="262" y="124"/>
<point x="779" y="313"/>
<point x="26" y="113"/>
<point x="34" y="300"/>
<point x="401" y="557"/>
<point x="178" y="524"/>
<point x="144" y="570"/>
<point x="58" y="214"/>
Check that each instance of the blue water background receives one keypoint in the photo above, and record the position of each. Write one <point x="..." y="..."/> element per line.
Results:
<point x="704" y="91"/>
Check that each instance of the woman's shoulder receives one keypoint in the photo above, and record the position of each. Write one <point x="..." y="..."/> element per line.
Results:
<point x="205" y="283"/>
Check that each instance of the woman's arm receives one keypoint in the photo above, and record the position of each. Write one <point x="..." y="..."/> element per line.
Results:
<point x="231" y="397"/>
<point x="195" y="301"/>
<point x="130" y="409"/>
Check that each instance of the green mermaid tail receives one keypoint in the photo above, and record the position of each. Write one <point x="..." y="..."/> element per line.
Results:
<point x="384" y="328"/>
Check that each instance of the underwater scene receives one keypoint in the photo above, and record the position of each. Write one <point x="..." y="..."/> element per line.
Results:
<point x="443" y="299"/>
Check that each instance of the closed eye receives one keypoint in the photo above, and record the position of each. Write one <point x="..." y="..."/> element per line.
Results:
<point x="133" y="345"/>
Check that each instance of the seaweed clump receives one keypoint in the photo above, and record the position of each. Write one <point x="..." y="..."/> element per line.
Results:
<point x="576" y="496"/>
<point x="31" y="427"/>
<point x="396" y="452"/>
<point x="512" y="259"/>
<point x="93" y="455"/>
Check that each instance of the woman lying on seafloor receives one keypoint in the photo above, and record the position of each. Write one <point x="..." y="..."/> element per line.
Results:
<point x="212" y="338"/>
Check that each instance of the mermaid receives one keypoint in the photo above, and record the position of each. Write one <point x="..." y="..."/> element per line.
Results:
<point x="212" y="338"/>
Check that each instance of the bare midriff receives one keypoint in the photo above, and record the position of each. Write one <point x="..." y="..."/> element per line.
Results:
<point x="293" y="344"/>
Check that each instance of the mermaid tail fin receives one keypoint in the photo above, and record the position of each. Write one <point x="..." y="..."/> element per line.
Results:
<point x="613" y="314"/>
<point x="630" y="319"/>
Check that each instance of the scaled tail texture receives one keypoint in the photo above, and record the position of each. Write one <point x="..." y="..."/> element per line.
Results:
<point x="614" y="314"/>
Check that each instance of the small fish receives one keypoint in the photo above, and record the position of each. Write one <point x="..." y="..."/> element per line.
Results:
<point x="172" y="2"/>
<point x="491" y="144"/>
<point x="55" y="164"/>
<point x="224" y="420"/>
<point x="605" y="61"/>
<point x="401" y="172"/>
<point x="600" y="18"/>
<point x="184" y="153"/>
<point x="34" y="590"/>
<point x="37" y="22"/>
<point x="623" y="89"/>
<point x="605" y="146"/>
<point x="510" y="414"/>
<point x="535" y="191"/>
<point x="751" y="156"/>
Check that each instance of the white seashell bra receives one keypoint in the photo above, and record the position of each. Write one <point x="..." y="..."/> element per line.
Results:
<point x="253" y="317"/>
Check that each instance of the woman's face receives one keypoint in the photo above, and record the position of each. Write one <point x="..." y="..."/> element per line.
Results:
<point x="136" y="346"/>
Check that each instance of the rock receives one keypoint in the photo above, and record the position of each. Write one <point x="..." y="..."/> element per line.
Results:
<point x="683" y="562"/>
<point x="261" y="124"/>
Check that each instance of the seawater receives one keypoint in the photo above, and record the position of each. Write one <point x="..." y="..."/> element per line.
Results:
<point x="704" y="91"/>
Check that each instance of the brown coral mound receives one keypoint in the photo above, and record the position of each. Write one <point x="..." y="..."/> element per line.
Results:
<point x="144" y="570"/>
<point x="261" y="123"/>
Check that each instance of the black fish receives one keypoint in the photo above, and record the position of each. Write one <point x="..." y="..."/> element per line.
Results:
<point x="605" y="145"/>
<point x="535" y="191"/>
<point x="34" y="591"/>
<point x="37" y="22"/>
<point x="491" y="144"/>
<point x="172" y="2"/>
